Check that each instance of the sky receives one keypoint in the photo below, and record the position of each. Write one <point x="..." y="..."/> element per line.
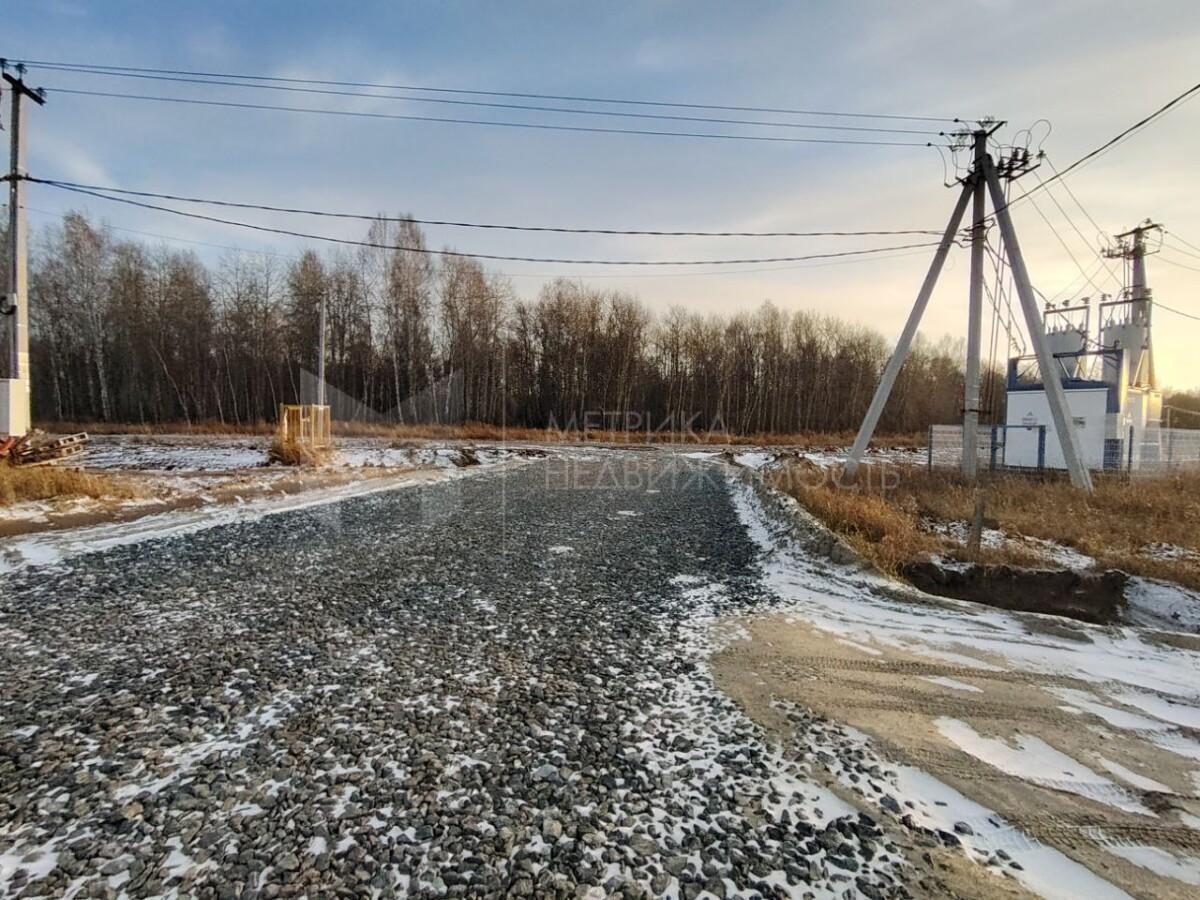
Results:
<point x="1077" y="71"/>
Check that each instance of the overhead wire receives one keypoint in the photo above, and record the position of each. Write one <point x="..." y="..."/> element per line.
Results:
<point x="522" y="107"/>
<point x="539" y="126"/>
<point x="1109" y="144"/>
<point x="487" y="256"/>
<point x="1182" y="241"/>
<point x="1178" y="312"/>
<point x="65" y="66"/>
<point x="177" y="198"/>
<point x="1175" y="249"/>
<point x="1064" y="245"/>
<point x="1100" y="232"/>
<point x="1070" y="286"/>
<point x="591" y="275"/>
<point x="1180" y="265"/>
<point x="1070" y="221"/>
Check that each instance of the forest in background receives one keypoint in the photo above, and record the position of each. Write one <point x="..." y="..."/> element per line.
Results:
<point x="126" y="332"/>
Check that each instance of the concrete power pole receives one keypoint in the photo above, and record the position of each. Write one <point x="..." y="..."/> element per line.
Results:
<point x="14" y="307"/>
<point x="983" y="177"/>
<point x="1064" y="424"/>
<point x="884" y="390"/>
<point x="970" y="427"/>
<point x="321" y="357"/>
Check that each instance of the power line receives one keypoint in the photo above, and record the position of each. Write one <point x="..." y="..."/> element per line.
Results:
<point x="488" y="225"/>
<point x="488" y="256"/>
<point x="494" y="105"/>
<point x="1050" y="225"/>
<point x="1171" y="262"/>
<point x="539" y="126"/>
<point x="1071" y="222"/>
<point x="1182" y="241"/>
<point x="62" y="66"/>
<point x="1099" y="231"/>
<point x="1112" y="142"/>
<point x="1180" y="250"/>
<point x="1178" y="312"/>
<point x="1070" y="286"/>
<point x="591" y="275"/>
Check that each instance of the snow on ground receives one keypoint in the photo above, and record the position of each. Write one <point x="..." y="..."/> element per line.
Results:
<point x="1160" y="604"/>
<point x="1126" y="673"/>
<point x="175" y="453"/>
<point x="1052" y="552"/>
<point x="170" y="453"/>
<point x="692" y="707"/>
<point x="850" y="605"/>
<point x="754" y="460"/>
<point x="766" y="458"/>
<point x="1181" y="868"/>
<point x="952" y="683"/>
<point x="985" y="835"/>
<point x="1164" y="551"/>
<point x="1035" y="761"/>
<point x="52" y="547"/>
<point x="359" y="455"/>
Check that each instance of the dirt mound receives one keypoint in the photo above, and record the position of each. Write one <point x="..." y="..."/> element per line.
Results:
<point x="1097" y="597"/>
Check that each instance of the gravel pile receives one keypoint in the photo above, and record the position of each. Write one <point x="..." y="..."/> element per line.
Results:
<point x="488" y="687"/>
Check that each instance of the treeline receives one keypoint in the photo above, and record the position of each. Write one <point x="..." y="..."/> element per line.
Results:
<point x="124" y="332"/>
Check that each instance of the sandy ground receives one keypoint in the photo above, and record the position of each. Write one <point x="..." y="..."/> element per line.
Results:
<point x="1043" y="736"/>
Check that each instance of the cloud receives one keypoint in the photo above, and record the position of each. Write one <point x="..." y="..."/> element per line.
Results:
<point x="68" y="161"/>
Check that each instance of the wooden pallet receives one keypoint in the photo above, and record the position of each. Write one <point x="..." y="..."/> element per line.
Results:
<point x="23" y="452"/>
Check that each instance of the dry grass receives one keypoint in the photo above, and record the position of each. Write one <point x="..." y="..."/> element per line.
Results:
<point x="881" y="516"/>
<point x="21" y="484"/>
<point x="294" y="453"/>
<point x="879" y="530"/>
<point x="481" y="431"/>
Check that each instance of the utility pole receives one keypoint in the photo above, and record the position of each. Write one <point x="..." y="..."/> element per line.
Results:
<point x="983" y="176"/>
<point x="867" y="429"/>
<point x="14" y="308"/>
<point x="970" y="427"/>
<point x="321" y="357"/>
<point x="1056" y="397"/>
<point x="1131" y="247"/>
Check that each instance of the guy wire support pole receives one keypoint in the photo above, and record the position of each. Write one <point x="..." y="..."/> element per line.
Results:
<point x="970" y="424"/>
<point x="1057" y="397"/>
<point x="867" y="429"/>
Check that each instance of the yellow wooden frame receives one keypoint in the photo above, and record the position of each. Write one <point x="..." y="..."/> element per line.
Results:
<point x="307" y="424"/>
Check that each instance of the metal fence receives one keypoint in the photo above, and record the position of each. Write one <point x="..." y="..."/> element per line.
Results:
<point x="1149" y="451"/>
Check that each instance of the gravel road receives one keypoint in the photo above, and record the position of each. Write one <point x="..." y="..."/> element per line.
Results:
<point x="492" y="686"/>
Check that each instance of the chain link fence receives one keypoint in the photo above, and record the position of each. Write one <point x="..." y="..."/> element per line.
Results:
<point x="1152" y="450"/>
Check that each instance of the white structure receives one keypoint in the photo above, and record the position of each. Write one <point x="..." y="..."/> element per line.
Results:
<point x="1109" y="380"/>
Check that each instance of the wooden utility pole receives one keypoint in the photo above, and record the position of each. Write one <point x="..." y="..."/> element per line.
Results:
<point x="14" y="308"/>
